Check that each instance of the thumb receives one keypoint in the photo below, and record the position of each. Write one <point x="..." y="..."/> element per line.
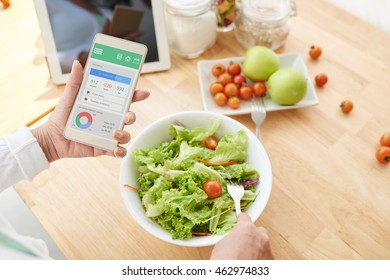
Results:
<point x="244" y="218"/>
<point x="64" y="106"/>
<point x="74" y="81"/>
<point x="72" y="86"/>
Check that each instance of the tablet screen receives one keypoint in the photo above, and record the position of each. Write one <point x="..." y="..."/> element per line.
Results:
<point x="74" y="23"/>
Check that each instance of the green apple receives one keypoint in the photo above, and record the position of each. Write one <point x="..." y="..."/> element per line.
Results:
<point x="259" y="63"/>
<point x="287" y="86"/>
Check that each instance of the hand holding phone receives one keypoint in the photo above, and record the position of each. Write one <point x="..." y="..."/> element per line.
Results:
<point x="110" y="77"/>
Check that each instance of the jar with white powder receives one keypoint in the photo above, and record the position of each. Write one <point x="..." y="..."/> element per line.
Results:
<point x="191" y="26"/>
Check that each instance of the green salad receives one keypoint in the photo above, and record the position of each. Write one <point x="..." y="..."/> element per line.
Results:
<point x="173" y="174"/>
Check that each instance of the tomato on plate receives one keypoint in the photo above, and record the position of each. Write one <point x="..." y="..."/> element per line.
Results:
<point x="220" y="99"/>
<point x="215" y="88"/>
<point x="239" y="80"/>
<point x="234" y="102"/>
<point x="211" y="142"/>
<point x="383" y="154"/>
<point x="212" y="188"/>
<point x="259" y="88"/>
<point x="315" y="52"/>
<point x="230" y="90"/>
<point x="225" y="78"/>
<point x="385" y="140"/>
<point x="218" y="69"/>
<point x="245" y="92"/>
<point x="234" y="69"/>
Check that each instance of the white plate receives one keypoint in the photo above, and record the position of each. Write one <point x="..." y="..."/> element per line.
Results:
<point x="286" y="60"/>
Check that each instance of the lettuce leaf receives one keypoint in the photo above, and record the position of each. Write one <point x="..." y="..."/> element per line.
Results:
<point x="232" y="146"/>
<point x="197" y="134"/>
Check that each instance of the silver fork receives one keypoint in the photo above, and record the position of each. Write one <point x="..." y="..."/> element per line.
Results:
<point x="236" y="191"/>
<point x="258" y="113"/>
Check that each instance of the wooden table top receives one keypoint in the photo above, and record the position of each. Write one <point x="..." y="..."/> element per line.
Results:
<point x="330" y="196"/>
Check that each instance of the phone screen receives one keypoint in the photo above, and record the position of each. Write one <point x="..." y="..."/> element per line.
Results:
<point x="108" y="85"/>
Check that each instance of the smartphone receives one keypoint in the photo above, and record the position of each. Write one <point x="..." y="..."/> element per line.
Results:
<point x="125" y="20"/>
<point x="110" y="77"/>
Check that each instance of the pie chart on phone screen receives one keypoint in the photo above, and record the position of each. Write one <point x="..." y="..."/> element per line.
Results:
<point x="83" y="120"/>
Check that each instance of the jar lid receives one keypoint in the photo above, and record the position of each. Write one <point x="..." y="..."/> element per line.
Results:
<point x="267" y="9"/>
<point x="189" y="6"/>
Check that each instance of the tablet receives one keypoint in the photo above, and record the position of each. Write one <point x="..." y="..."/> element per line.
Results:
<point x="69" y="26"/>
<point x="125" y="20"/>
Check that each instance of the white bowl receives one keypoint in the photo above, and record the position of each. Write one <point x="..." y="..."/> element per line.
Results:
<point x="155" y="134"/>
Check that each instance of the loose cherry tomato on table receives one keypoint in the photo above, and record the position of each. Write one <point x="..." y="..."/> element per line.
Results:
<point x="234" y="69"/>
<point x="234" y="102"/>
<point x="218" y="69"/>
<point x="385" y="140"/>
<point x="225" y="78"/>
<point x="259" y="88"/>
<point x="321" y="79"/>
<point x="346" y="106"/>
<point x="220" y="99"/>
<point x="6" y="3"/>
<point x="239" y="80"/>
<point x="245" y="92"/>
<point x="383" y="154"/>
<point x="215" y="88"/>
<point x="315" y="52"/>
<point x="210" y="142"/>
<point x="230" y="89"/>
<point x="212" y="188"/>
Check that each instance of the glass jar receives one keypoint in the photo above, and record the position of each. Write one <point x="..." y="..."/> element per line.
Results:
<point x="226" y="14"/>
<point x="191" y="26"/>
<point x="263" y="22"/>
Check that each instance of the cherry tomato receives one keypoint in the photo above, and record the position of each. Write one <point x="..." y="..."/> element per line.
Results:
<point x="385" y="140"/>
<point x="346" y="106"/>
<point x="211" y="142"/>
<point x="234" y="102"/>
<point x="234" y="69"/>
<point x="259" y="88"/>
<point x="225" y="78"/>
<point x="6" y="3"/>
<point x="220" y="99"/>
<point x="239" y="80"/>
<point x="218" y="69"/>
<point x="212" y="188"/>
<point x="231" y="90"/>
<point x="215" y="88"/>
<point x="321" y="79"/>
<point x="245" y="92"/>
<point x="383" y="155"/>
<point x="315" y="52"/>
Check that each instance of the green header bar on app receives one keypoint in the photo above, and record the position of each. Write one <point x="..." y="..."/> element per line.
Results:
<point x="116" y="56"/>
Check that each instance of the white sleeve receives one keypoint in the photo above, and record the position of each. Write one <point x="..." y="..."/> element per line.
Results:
<point x="21" y="158"/>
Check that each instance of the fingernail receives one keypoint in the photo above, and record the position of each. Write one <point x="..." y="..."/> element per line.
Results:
<point x="120" y="153"/>
<point x="118" y="134"/>
<point x="75" y="62"/>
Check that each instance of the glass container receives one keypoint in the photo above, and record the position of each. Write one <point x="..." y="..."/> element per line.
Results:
<point x="191" y="26"/>
<point x="226" y="14"/>
<point x="263" y="22"/>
